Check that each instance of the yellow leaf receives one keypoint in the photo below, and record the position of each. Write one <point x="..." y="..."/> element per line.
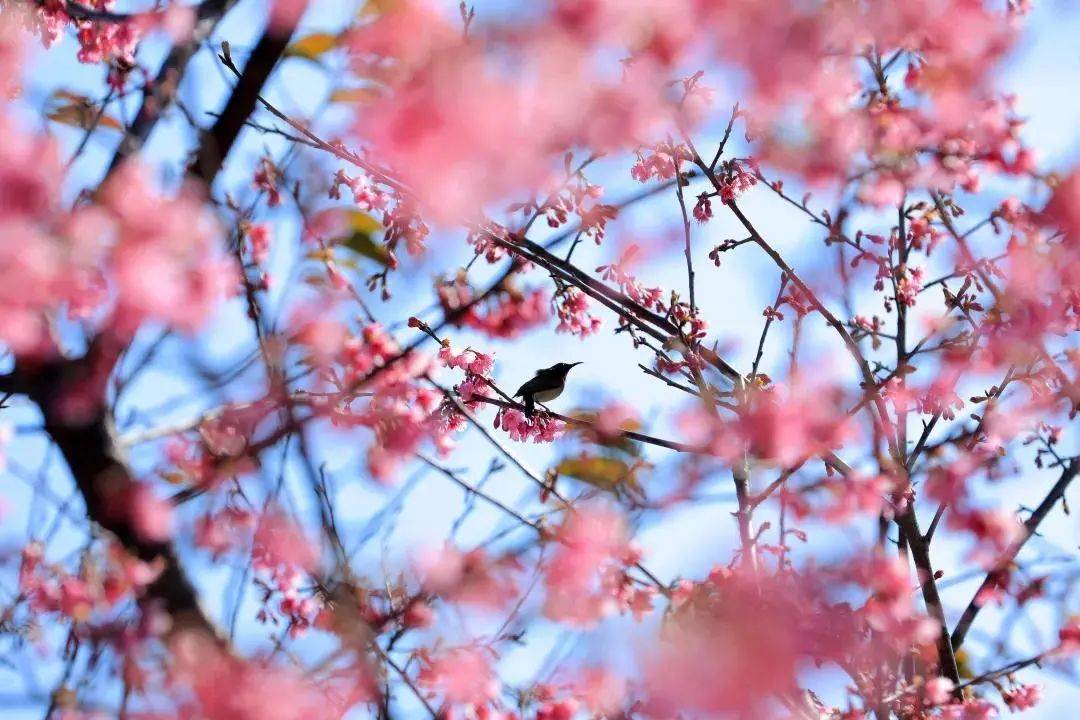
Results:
<point x="68" y="108"/>
<point x="355" y="95"/>
<point x="362" y="222"/>
<point x="608" y="474"/>
<point x="589" y="416"/>
<point x="376" y="7"/>
<point x="173" y="477"/>
<point x="963" y="664"/>
<point x="312" y="46"/>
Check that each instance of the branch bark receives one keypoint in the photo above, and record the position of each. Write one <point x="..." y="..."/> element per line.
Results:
<point x="219" y="140"/>
<point x="167" y="83"/>
<point x="104" y="481"/>
<point x="1057" y="492"/>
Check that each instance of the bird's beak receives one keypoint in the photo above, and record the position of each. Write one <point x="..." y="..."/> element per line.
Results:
<point x="580" y="362"/>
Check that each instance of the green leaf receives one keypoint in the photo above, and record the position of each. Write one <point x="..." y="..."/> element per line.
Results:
<point x="606" y="473"/>
<point x="312" y="46"/>
<point x="362" y="228"/>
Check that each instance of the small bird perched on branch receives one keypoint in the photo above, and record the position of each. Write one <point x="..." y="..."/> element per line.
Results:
<point x="546" y="385"/>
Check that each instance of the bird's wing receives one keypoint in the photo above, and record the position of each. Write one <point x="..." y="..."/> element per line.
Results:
<point x="528" y="388"/>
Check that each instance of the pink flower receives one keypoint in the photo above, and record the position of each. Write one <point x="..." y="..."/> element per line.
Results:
<point x="224" y="531"/>
<point x="969" y="710"/>
<point x="461" y="675"/>
<point x="541" y="427"/>
<point x="468" y="360"/>
<point x="220" y="685"/>
<point x="1069" y="638"/>
<point x="660" y="162"/>
<point x="1022" y="697"/>
<point x="418" y="615"/>
<point x="889" y="609"/>
<point x="738" y="640"/>
<point x="736" y="177"/>
<point x="167" y="261"/>
<point x="259" y="236"/>
<point x="471" y="578"/>
<point x="508" y="315"/>
<point x="600" y="690"/>
<point x="782" y="425"/>
<point x="151" y="516"/>
<point x="619" y="271"/>
<point x="1064" y="206"/>
<point x="280" y="544"/>
<point x="615" y="418"/>
<point x="572" y="306"/>
<point x="366" y="194"/>
<point x="266" y="179"/>
<point x="585" y="576"/>
<point x="178" y="22"/>
<point x="703" y="209"/>
<point x="938" y="690"/>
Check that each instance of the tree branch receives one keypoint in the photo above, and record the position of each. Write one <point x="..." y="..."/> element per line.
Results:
<point x="218" y="141"/>
<point x="104" y="480"/>
<point x="167" y="83"/>
<point x="1057" y="492"/>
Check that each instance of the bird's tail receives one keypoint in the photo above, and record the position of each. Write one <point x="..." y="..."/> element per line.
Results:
<point x="530" y="406"/>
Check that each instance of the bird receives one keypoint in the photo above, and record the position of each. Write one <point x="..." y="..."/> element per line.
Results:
<point x="546" y="385"/>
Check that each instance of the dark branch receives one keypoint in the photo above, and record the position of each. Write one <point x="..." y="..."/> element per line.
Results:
<point x="167" y="83"/>
<point x="219" y="140"/>
<point x="105" y="481"/>
<point x="1057" y="492"/>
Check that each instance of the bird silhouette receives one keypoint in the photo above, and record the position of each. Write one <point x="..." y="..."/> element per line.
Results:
<point x="546" y="385"/>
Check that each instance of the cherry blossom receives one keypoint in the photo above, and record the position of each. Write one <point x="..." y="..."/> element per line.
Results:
<point x="262" y="461"/>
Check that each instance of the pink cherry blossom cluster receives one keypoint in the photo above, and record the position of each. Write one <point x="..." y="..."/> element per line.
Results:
<point x="225" y="531"/>
<point x="99" y="41"/>
<point x="889" y="609"/>
<point x="845" y="498"/>
<point x="366" y="194"/>
<point x="540" y="428"/>
<point x="102" y="582"/>
<point x="210" y="682"/>
<point x="781" y="425"/>
<point x="592" y="689"/>
<point x="166" y="261"/>
<point x="619" y="272"/>
<point x="281" y="556"/>
<point x="587" y="577"/>
<point x="968" y="370"/>
<point x="477" y="367"/>
<point x="576" y="197"/>
<point x="660" y="162"/>
<point x="266" y="179"/>
<point x="135" y="255"/>
<point x="401" y="410"/>
<point x="463" y="677"/>
<point x="766" y="621"/>
<point x="470" y="578"/>
<point x="572" y="309"/>
<point x="449" y="102"/>
<point x="505" y="314"/>
<point x="736" y="177"/>
<point x="703" y="211"/>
